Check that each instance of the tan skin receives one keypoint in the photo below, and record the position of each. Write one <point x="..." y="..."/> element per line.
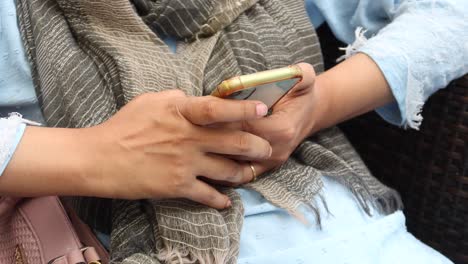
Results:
<point x="160" y="153"/>
<point x="353" y="87"/>
<point x="140" y="153"/>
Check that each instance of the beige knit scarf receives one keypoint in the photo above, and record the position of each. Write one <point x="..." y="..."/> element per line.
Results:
<point x="90" y="57"/>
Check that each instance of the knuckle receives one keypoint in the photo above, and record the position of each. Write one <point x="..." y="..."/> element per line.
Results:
<point x="150" y="97"/>
<point x="309" y="74"/>
<point x="176" y="92"/>
<point x="173" y="109"/>
<point x="208" y="110"/>
<point x="178" y="181"/>
<point x="233" y="173"/>
<point x="284" y="158"/>
<point x="281" y="159"/>
<point x="308" y="67"/>
<point x="170" y="93"/>
<point x="143" y="98"/>
<point x="246" y="111"/>
<point x="242" y="143"/>
<point x="288" y="134"/>
<point x="189" y="106"/>
<point x="180" y="175"/>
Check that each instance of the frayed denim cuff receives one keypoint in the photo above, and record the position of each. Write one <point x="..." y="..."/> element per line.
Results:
<point x="12" y="130"/>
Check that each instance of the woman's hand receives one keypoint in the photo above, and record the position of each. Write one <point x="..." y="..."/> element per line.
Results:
<point x="294" y="118"/>
<point x="351" y="88"/>
<point x="154" y="147"/>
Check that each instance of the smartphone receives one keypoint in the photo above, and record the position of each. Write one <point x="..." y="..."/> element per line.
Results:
<point x="266" y="86"/>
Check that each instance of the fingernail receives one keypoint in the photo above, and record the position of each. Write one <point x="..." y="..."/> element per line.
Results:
<point x="228" y="204"/>
<point x="262" y="109"/>
<point x="271" y="151"/>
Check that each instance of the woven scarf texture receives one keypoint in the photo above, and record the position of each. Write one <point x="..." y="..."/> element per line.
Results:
<point x="91" y="57"/>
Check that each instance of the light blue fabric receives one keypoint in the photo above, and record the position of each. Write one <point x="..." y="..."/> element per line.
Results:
<point x="11" y="147"/>
<point x="15" y="77"/>
<point x="412" y="74"/>
<point x="419" y="45"/>
<point x="269" y="234"/>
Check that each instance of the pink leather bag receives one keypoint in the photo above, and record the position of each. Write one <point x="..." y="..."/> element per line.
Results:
<point x="39" y="231"/>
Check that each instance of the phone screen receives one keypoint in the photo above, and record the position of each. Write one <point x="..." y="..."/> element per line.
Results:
<point x="269" y="93"/>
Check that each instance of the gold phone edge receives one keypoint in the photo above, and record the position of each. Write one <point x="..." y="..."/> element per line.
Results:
<point x="238" y="83"/>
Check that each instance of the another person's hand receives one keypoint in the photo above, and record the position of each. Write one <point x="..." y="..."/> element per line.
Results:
<point x="293" y="119"/>
<point x="349" y="89"/>
<point x="156" y="146"/>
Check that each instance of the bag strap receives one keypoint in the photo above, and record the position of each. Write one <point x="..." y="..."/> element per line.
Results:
<point x="85" y="233"/>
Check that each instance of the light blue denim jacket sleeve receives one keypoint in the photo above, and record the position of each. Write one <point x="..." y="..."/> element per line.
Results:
<point x="419" y="45"/>
<point x="11" y="132"/>
<point x="16" y="86"/>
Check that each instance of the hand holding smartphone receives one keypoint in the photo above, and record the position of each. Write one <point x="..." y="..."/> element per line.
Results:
<point x="266" y="86"/>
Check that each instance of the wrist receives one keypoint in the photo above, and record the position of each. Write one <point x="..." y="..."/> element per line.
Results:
<point x="48" y="161"/>
<point x="92" y="155"/>
<point x="320" y="104"/>
<point x="70" y="159"/>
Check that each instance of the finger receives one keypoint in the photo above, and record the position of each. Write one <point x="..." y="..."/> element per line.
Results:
<point x="203" y="193"/>
<point x="248" y="173"/>
<point x="308" y="79"/>
<point x="240" y="143"/>
<point x="259" y="169"/>
<point x="222" y="170"/>
<point x="238" y="158"/>
<point x="261" y="127"/>
<point x="265" y="128"/>
<point x="228" y="126"/>
<point x="208" y="110"/>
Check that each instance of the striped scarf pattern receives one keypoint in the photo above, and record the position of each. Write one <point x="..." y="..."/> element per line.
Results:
<point x="90" y="58"/>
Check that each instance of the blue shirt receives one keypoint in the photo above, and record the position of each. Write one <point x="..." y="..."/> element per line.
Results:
<point x="419" y="45"/>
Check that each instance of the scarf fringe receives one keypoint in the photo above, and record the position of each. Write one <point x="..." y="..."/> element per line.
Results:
<point x="385" y="204"/>
<point x="389" y="202"/>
